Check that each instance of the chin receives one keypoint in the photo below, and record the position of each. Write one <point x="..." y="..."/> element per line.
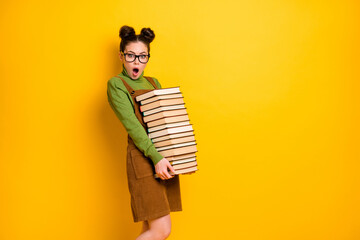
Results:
<point x="138" y="76"/>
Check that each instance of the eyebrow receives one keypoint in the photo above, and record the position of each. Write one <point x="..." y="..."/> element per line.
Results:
<point x="139" y="53"/>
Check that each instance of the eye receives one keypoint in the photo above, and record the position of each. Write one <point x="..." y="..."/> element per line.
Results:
<point x="130" y="55"/>
<point x="143" y="56"/>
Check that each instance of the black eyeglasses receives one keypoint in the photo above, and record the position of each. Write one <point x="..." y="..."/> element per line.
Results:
<point x="130" y="57"/>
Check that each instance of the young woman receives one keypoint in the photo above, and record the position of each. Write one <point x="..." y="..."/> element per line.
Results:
<point x="152" y="199"/>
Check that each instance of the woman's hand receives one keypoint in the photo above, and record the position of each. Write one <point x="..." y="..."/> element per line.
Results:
<point x="161" y="169"/>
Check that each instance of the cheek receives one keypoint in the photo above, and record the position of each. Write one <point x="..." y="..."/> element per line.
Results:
<point x="128" y="69"/>
<point x="143" y="67"/>
<point x="127" y="65"/>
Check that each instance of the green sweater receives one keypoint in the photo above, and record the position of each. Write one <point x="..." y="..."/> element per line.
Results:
<point x="121" y="102"/>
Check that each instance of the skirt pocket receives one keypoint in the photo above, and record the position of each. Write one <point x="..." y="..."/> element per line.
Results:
<point x="143" y="167"/>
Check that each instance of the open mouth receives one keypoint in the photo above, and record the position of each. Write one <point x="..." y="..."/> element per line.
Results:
<point x="135" y="70"/>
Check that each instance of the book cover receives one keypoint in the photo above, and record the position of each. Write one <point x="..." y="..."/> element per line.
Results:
<point x="176" y="146"/>
<point x="163" y="108"/>
<point x="181" y="171"/>
<point x="168" y="131"/>
<point x="182" y="161"/>
<point x="181" y="157"/>
<point x="164" y="114"/>
<point x="161" y="103"/>
<point x="161" y="97"/>
<point x="174" y="141"/>
<point x="168" y="120"/>
<point x="172" y="136"/>
<point x="185" y="165"/>
<point x="155" y="92"/>
<point x="169" y="125"/>
<point x="178" y="151"/>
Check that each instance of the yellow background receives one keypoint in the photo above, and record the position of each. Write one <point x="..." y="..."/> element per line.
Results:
<point x="272" y="90"/>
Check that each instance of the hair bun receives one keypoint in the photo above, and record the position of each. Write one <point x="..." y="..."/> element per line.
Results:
<point x="127" y="35"/>
<point x="126" y="32"/>
<point x="147" y="34"/>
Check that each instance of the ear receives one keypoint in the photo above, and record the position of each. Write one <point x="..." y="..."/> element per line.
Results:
<point x="121" y="56"/>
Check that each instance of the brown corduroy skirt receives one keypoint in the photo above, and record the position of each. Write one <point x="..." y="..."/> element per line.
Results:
<point x="151" y="197"/>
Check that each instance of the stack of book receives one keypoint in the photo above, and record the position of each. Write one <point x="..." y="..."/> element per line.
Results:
<point x="169" y="127"/>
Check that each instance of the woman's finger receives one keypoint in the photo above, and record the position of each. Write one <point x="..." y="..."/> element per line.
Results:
<point x="167" y="175"/>
<point x="171" y="168"/>
<point x="163" y="175"/>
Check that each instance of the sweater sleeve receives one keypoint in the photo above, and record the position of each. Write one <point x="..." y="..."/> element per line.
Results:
<point x="124" y="110"/>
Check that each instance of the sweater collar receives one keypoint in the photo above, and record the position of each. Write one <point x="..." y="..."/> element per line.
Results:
<point x="124" y="72"/>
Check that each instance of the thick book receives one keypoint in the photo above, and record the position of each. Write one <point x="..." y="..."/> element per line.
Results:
<point x="163" y="108"/>
<point x="186" y="170"/>
<point x="181" y="157"/>
<point x="170" y="125"/>
<point x="168" y="120"/>
<point x="178" y="151"/>
<point x="161" y="97"/>
<point x="164" y="114"/>
<point x="185" y="165"/>
<point x="174" y="141"/>
<point x="161" y="103"/>
<point x="168" y="131"/>
<point x="182" y="161"/>
<point x="157" y="92"/>
<point x="182" y="171"/>
<point x="172" y="136"/>
<point x="176" y="146"/>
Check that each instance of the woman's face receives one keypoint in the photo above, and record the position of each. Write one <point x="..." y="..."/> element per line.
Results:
<point x="135" y="68"/>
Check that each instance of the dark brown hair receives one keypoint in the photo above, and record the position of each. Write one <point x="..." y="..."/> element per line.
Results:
<point x="127" y="35"/>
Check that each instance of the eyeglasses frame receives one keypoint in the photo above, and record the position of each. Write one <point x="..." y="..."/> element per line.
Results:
<point x="136" y="56"/>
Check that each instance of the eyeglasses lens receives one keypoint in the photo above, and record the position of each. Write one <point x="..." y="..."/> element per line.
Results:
<point x="132" y="57"/>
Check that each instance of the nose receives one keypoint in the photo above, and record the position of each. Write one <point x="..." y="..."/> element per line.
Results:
<point x="137" y="61"/>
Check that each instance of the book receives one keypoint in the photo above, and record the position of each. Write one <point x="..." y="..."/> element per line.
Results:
<point x="172" y="136"/>
<point x="185" y="165"/>
<point x="170" y="125"/>
<point x="174" y="141"/>
<point x="181" y="171"/>
<point x="182" y="161"/>
<point x="178" y="151"/>
<point x="181" y="157"/>
<point x="161" y="103"/>
<point x="163" y="108"/>
<point x="156" y="92"/>
<point x="164" y="114"/>
<point x="168" y="120"/>
<point x="161" y="97"/>
<point x="186" y="170"/>
<point x="176" y="146"/>
<point x="168" y="131"/>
